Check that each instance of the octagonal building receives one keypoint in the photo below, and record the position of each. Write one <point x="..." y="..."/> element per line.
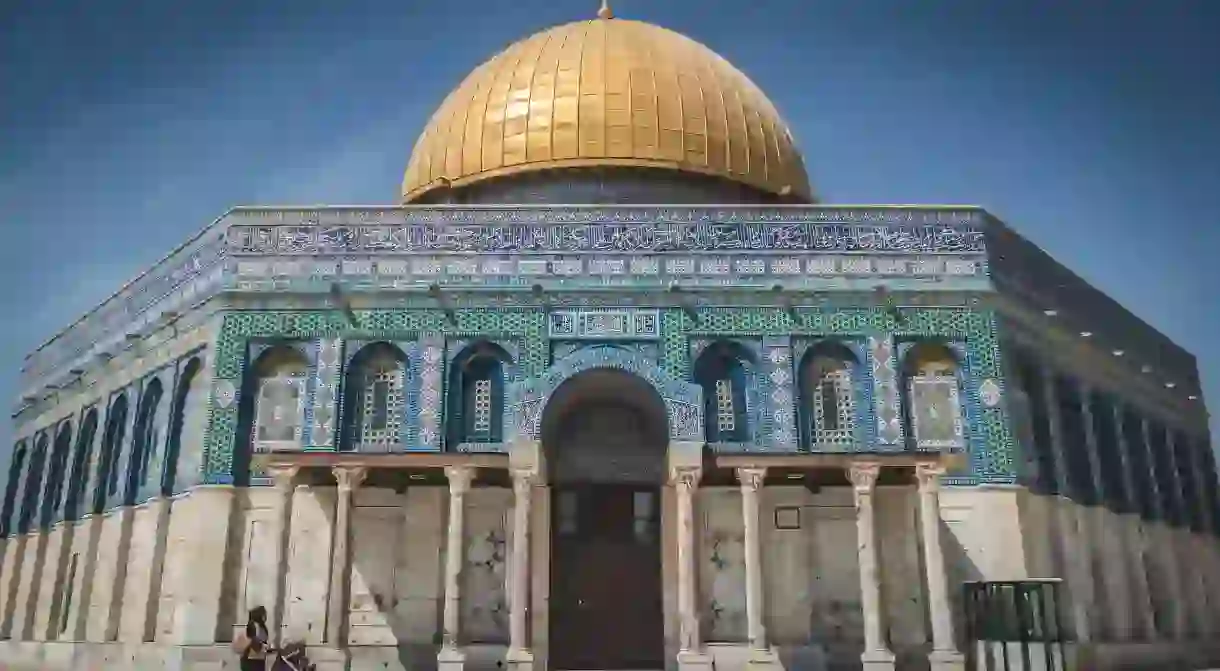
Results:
<point x="700" y="420"/>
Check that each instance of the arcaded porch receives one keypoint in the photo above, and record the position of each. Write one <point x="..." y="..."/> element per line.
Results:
<point x="710" y="506"/>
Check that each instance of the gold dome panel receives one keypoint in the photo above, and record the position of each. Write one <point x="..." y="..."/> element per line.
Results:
<point x="607" y="92"/>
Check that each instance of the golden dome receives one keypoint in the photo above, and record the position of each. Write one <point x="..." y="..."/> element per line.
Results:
<point x="606" y="92"/>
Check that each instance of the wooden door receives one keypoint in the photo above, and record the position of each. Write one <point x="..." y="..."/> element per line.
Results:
<point x="605" y="606"/>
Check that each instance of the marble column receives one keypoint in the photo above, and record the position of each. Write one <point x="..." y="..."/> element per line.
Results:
<point x="685" y="482"/>
<point x="281" y="515"/>
<point x="876" y="655"/>
<point x="751" y="481"/>
<point x="944" y="655"/>
<point x="348" y="479"/>
<point x="520" y="655"/>
<point x="451" y="657"/>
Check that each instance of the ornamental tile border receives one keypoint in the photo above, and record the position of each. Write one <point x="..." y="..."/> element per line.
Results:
<point x="526" y="400"/>
<point x="779" y="397"/>
<point x="991" y="443"/>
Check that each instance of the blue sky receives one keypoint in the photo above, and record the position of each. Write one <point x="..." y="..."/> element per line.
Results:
<point x="1093" y="127"/>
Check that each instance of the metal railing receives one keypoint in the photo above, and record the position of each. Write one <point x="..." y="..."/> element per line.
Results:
<point x="1014" y="626"/>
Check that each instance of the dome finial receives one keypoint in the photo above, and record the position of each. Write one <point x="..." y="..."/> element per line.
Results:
<point x="605" y="12"/>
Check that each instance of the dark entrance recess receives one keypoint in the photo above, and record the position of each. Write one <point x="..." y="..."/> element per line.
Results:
<point x="604" y="434"/>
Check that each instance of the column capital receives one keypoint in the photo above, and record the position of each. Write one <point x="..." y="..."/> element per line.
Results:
<point x="523" y="480"/>
<point x="283" y="477"/>
<point x="863" y="475"/>
<point x="459" y="478"/>
<point x="751" y="477"/>
<point x="685" y="475"/>
<point x="928" y="474"/>
<point x="349" y="477"/>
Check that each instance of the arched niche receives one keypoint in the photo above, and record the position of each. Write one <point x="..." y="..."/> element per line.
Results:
<point x="828" y="404"/>
<point x="107" y="481"/>
<point x="474" y="404"/>
<point x="33" y="483"/>
<point x="56" y="476"/>
<point x="527" y="398"/>
<point x="145" y="439"/>
<point x="78" y="481"/>
<point x="16" y="468"/>
<point x="931" y="384"/>
<point x="271" y="416"/>
<point x="188" y="395"/>
<point x="374" y="399"/>
<point x="724" y="370"/>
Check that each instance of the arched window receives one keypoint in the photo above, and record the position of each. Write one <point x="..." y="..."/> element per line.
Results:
<point x="55" y="479"/>
<point x="33" y="484"/>
<point x="11" y="489"/>
<point x="721" y="371"/>
<point x="374" y="399"/>
<point x="476" y="395"/>
<point x="146" y="440"/>
<point x="279" y="399"/>
<point x="827" y="410"/>
<point x="112" y="443"/>
<point x="185" y="397"/>
<point x="79" y="478"/>
<point x="931" y="397"/>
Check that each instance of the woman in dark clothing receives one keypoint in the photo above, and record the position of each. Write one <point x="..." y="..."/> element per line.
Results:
<point x="254" y="657"/>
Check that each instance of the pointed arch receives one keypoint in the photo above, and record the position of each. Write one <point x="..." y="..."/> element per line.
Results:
<point x="272" y="412"/>
<point x="826" y="408"/>
<point x="475" y="402"/>
<point x="112" y="441"/>
<point x="278" y="382"/>
<point x="374" y="399"/>
<point x="79" y="478"/>
<point x="723" y="370"/>
<point x="185" y="395"/>
<point x="528" y="398"/>
<point x="16" y="467"/>
<point x="146" y="439"/>
<point x="55" y="477"/>
<point x="33" y="483"/>
<point x="931" y="397"/>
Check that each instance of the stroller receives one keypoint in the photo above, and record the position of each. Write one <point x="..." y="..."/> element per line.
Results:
<point x="292" y="657"/>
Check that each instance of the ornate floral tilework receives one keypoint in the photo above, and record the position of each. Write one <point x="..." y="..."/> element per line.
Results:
<point x="779" y="394"/>
<point x="322" y="415"/>
<point x="887" y="428"/>
<point x="527" y="399"/>
<point x="668" y="367"/>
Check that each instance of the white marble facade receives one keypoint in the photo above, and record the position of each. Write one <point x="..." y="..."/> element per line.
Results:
<point x="164" y="583"/>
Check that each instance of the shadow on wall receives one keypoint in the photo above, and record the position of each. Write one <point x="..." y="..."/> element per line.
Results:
<point x="961" y="569"/>
<point x="402" y="644"/>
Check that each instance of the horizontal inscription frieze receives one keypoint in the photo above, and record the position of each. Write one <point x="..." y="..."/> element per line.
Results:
<point x="427" y="268"/>
<point x="619" y="237"/>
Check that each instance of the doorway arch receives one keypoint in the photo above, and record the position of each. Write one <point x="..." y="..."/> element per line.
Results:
<point x="604" y="433"/>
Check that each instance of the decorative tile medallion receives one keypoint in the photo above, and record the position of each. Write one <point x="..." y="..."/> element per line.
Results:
<point x="989" y="393"/>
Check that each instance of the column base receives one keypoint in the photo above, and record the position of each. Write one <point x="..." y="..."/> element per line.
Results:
<point x="764" y="658"/>
<point x="694" y="660"/>
<point x="946" y="660"/>
<point x="877" y="660"/>
<point x="450" y="659"/>
<point x="519" y="659"/>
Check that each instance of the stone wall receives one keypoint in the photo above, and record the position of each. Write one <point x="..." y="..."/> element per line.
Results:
<point x="124" y="585"/>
